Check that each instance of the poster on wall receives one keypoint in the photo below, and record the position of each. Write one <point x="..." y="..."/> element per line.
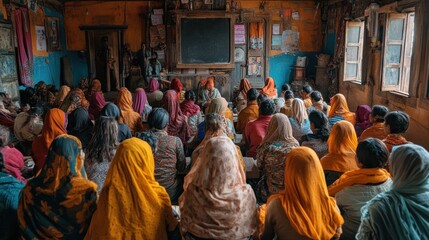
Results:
<point x="239" y="34"/>
<point x="254" y="66"/>
<point x="290" y="41"/>
<point x="40" y="38"/>
<point x="276" y="42"/>
<point x="53" y="33"/>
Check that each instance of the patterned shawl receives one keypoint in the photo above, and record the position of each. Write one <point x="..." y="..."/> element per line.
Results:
<point x="178" y="125"/>
<point x="279" y="129"/>
<point x="189" y="108"/>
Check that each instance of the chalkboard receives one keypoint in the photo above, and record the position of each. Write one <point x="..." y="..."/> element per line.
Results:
<point x="205" y="40"/>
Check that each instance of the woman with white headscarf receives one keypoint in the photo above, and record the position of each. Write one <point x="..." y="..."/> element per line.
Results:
<point x="403" y="211"/>
<point x="299" y="119"/>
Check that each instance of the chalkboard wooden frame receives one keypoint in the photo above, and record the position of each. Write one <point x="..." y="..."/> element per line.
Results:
<point x="204" y="14"/>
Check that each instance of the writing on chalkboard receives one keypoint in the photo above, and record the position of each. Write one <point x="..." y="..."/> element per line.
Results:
<point x="205" y="40"/>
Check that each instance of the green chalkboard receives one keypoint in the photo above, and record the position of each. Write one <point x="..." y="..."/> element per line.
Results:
<point x="205" y="40"/>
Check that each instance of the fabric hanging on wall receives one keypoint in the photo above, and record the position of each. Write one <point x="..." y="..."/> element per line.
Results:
<point x="256" y="32"/>
<point x="25" y="48"/>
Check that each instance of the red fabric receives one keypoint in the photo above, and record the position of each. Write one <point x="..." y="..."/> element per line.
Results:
<point x="255" y="132"/>
<point x="95" y="87"/>
<point x="362" y="118"/>
<point x="7" y="120"/>
<point x="25" y="49"/>
<point x="14" y="162"/>
<point x="96" y="103"/>
<point x="176" y="85"/>
<point x="210" y="83"/>
<point x="189" y="108"/>
<point x="177" y="125"/>
<point x="139" y="101"/>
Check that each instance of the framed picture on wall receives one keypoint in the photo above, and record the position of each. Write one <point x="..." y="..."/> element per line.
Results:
<point x="53" y="33"/>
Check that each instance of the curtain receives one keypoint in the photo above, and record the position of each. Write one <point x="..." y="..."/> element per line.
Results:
<point x="25" y="49"/>
<point x="256" y="33"/>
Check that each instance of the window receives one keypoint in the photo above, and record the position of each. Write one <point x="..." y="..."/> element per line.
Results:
<point x="353" y="49"/>
<point x="398" y="49"/>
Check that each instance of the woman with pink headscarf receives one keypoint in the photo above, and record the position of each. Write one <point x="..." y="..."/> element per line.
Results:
<point x="178" y="125"/>
<point x="140" y="104"/>
<point x="154" y="95"/>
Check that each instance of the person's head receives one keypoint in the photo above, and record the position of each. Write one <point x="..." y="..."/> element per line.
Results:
<point x="285" y="87"/>
<point x="267" y="108"/>
<point x="378" y="113"/>
<point x="338" y="104"/>
<point x="289" y="95"/>
<point x="396" y="122"/>
<point x="158" y="119"/>
<point x="104" y="139"/>
<point x="190" y="95"/>
<point x="154" y="55"/>
<point x="342" y="139"/>
<point x="306" y="90"/>
<point x="261" y="98"/>
<point x="217" y="105"/>
<point x="299" y="112"/>
<point x="316" y="96"/>
<point x="210" y="83"/>
<point x="318" y="121"/>
<point x="110" y="110"/>
<point x="71" y="102"/>
<point x="4" y="136"/>
<point x="214" y="122"/>
<point x="372" y="153"/>
<point x="252" y="94"/>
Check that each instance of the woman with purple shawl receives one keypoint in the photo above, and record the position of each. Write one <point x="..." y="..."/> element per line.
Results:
<point x="140" y="104"/>
<point x="363" y="112"/>
<point x="154" y="95"/>
<point x="96" y="99"/>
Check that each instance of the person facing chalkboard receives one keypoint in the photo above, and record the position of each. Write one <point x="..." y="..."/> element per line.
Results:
<point x="209" y="92"/>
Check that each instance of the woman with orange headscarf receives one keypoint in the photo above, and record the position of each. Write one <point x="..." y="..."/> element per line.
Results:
<point x="62" y="94"/>
<point x="269" y="89"/>
<point x="240" y="98"/>
<point x="209" y="92"/>
<point x="177" y="86"/>
<point x="54" y="125"/>
<point x="304" y="209"/>
<point x="128" y="116"/>
<point x="340" y="110"/>
<point x="342" y="144"/>
<point x="145" y="212"/>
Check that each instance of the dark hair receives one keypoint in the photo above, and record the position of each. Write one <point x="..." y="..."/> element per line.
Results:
<point x="104" y="140"/>
<point x="4" y="136"/>
<point x="150" y="137"/>
<point x="379" y="112"/>
<point x="397" y="121"/>
<point x="267" y="107"/>
<point x="252" y="94"/>
<point x="190" y="95"/>
<point x="285" y="87"/>
<point x="213" y="122"/>
<point x="158" y="118"/>
<point x="307" y="88"/>
<point x="316" y="96"/>
<point x="321" y="123"/>
<point x="289" y="95"/>
<point x="261" y="97"/>
<point x="372" y="153"/>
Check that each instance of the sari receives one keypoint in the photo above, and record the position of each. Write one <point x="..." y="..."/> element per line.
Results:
<point x="269" y="89"/>
<point x="96" y="103"/>
<point x="339" y="108"/>
<point x="141" y="105"/>
<point x="95" y="87"/>
<point x="53" y="126"/>
<point x="111" y="110"/>
<point x="177" y="86"/>
<point x="362" y="118"/>
<point x="189" y="108"/>
<point x="62" y="94"/>
<point x="178" y="125"/>
<point x="59" y="202"/>
<point x="305" y="200"/>
<point x="217" y="186"/>
<point x="132" y="204"/>
<point x="403" y="211"/>
<point x="80" y="126"/>
<point x="374" y="131"/>
<point x="128" y="115"/>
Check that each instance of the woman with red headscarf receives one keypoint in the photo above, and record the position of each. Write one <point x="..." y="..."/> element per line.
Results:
<point x="269" y="89"/>
<point x="178" y="125"/>
<point x="240" y="98"/>
<point x="209" y="92"/>
<point x="140" y="104"/>
<point x="177" y="86"/>
<point x="96" y="99"/>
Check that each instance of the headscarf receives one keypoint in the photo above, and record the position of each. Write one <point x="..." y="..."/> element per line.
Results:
<point x="342" y="144"/>
<point x="220" y="106"/>
<point x="59" y="202"/>
<point x="53" y="126"/>
<point x="13" y="162"/>
<point x="306" y="203"/>
<point x="95" y="87"/>
<point x="96" y="103"/>
<point x="209" y="85"/>
<point x="83" y="102"/>
<point x="132" y="204"/>
<point x="339" y="107"/>
<point x="362" y="117"/>
<point x="153" y="85"/>
<point x="177" y="126"/>
<point x="62" y="94"/>
<point x="402" y="212"/>
<point x="176" y="85"/>
<point x="244" y="86"/>
<point x="217" y="186"/>
<point x="299" y="111"/>
<point x="269" y="89"/>
<point x="279" y="130"/>
<point x="139" y="101"/>
<point x="128" y="115"/>
<point x="80" y="126"/>
<point x="189" y="108"/>
<point x="111" y="110"/>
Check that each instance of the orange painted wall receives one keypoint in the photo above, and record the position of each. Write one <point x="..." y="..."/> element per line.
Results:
<point x="112" y="13"/>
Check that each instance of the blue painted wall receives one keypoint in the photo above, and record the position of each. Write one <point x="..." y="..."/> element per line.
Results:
<point x="48" y="68"/>
<point x="329" y="47"/>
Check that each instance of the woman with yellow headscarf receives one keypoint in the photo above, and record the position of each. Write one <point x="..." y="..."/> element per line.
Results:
<point x="128" y="116"/>
<point x="304" y="209"/>
<point x="342" y="144"/>
<point x="132" y="204"/>
<point x="340" y="110"/>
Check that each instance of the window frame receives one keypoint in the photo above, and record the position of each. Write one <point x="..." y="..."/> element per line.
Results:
<point x="360" y="45"/>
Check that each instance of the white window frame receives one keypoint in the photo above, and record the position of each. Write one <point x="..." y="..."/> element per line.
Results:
<point x="358" y="77"/>
<point x="404" y="64"/>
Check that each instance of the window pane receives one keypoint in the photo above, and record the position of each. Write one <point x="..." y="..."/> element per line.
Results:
<point x="393" y="54"/>
<point x="351" y="70"/>
<point x="353" y="34"/>
<point x="352" y="53"/>
<point x="396" y="26"/>
<point x="391" y="76"/>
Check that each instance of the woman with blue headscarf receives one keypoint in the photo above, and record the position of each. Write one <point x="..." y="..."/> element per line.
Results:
<point x="403" y="211"/>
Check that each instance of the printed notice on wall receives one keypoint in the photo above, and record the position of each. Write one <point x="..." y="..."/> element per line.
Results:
<point x="40" y="38"/>
<point x="239" y="34"/>
<point x="290" y="41"/>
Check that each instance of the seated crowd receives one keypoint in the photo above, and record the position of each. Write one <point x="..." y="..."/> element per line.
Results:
<point x="172" y="164"/>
